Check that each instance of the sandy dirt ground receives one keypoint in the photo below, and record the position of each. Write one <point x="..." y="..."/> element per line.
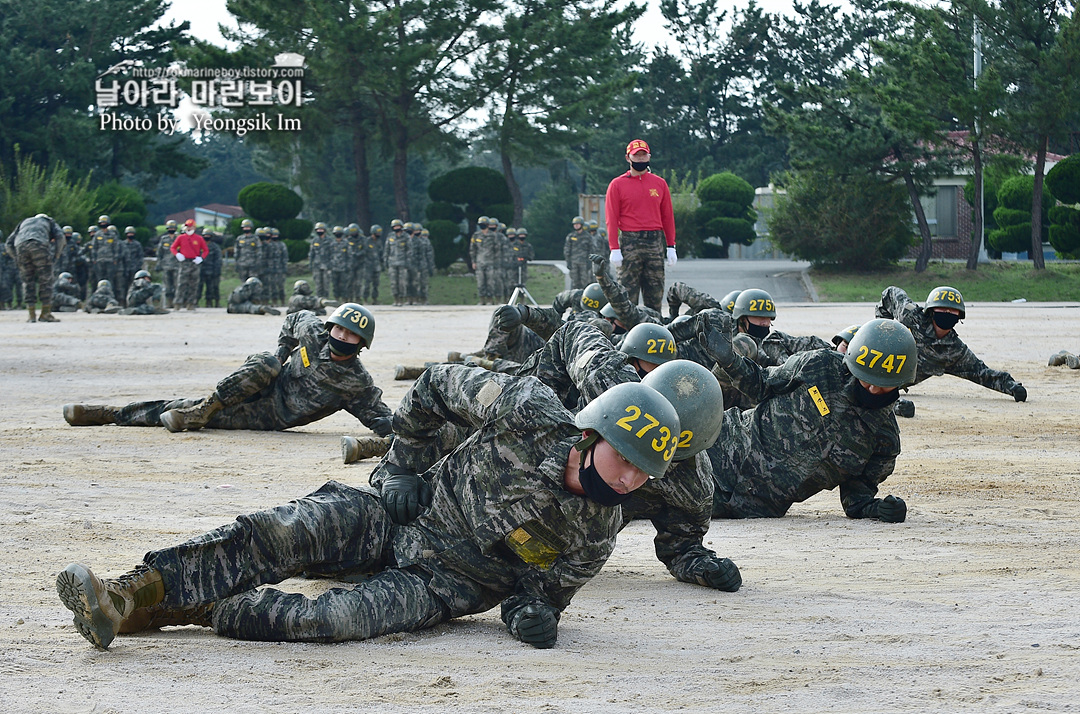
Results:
<point x="971" y="605"/>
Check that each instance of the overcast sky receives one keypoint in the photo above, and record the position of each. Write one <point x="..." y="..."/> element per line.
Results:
<point x="205" y="15"/>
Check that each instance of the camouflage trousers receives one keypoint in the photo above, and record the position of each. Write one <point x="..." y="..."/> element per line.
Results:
<point x="168" y="279"/>
<point x="581" y="274"/>
<point x="239" y="392"/>
<point x="421" y="281"/>
<point x="370" y="292"/>
<point x="342" y="285"/>
<point x="64" y="300"/>
<point x="243" y="308"/>
<point x="516" y="345"/>
<point x="643" y="266"/>
<point x="275" y="287"/>
<point x="187" y="284"/>
<point x="399" y="281"/>
<point x="211" y="284"/>
<point x="333" y="531"/>
<point x="35" y="269"/>
<point x="487" y="281"/>
<point x="324" y="282"/>
<point x="247" y="270"/>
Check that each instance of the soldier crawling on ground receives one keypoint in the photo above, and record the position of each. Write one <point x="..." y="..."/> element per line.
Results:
<point x="103" y="299"/>
<point x="521" y="523"/>
<point x="304" y="299"/>
<point x="313" y="374"/>
<point x="246" y="299"/>
<point x="65" y="294"/>
<point x="145" y="297"/>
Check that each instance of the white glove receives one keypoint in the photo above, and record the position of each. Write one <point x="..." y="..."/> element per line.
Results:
<point x="198" y="258"/>
<point x="180" y="257"/>
<point x="615" y="258"/>
<point x="672" y="257"/>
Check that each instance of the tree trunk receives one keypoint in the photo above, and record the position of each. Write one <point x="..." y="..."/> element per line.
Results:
<point x="1036" y="206"/>
<point x="360" y="168"/>
<point x="401" y="165"/>
<point x="515" y="190"/>
<point x="924" y="228"/>
<point x="977" y="229"/>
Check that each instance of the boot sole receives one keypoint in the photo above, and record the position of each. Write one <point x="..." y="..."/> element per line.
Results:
<point x="346" y="449"/>
<point x="171" y="422"/>
<point x="75" y="587"/>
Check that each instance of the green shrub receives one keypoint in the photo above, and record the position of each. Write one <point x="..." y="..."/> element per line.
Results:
<point x="444" y="211"/>
<point x="1064" y="180"/>
<point x="1013" y="215"/>
<point x="298" y="250"/>
<point x="443" y="234"/>
<point x="295" y="229"/>
<point x="270" y="202"/>
<point x="1065" y="231"/>
<point x="726" y="209"/>
<point x="475" y="187"/>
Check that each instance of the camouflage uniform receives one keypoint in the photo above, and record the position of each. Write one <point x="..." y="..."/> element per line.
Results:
<point x="131" y="262"/>
<point x="319" y="261"/>
<point x="246" y="299"/>
<point x="940" y="355"/>
<point x="248" y="251"/>
<point x="778" y="346"/>
<point x="680" y="294"/>
<point x="67" y="257"/>
<point x="277" y="266"/>
<point x="373" y="259"/>
<point x="210" y="272"/>
<point x="65" y="294"/>
<point x="461" y="556"/>
<point x="422" y="260"/>
<point x="141" y="299"/>
<point x="626" y="312"/>
<point x="643" y="266"/>
<point x="166" y="262"/>
<point x="486" y="259"/>
<point x="298" y="385"/>
<point x="9" y="281"/>
<point x="305" y="302"/>
<point x="341" y="263"/>
<point x="396" y="257"/>
<point x="101" y="299"/>
<point x="576" y="250"/>
<point x="108" y="255"/>
<point x="522" y="252"/>
<point x="32" y="245"/>
<point x="502" y="271"/>
<point x="789" y="448"/>
<point x="544" y="321"/>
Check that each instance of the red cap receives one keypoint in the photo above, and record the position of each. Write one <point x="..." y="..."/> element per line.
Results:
<point x="637" y="145"/>
<point x="189" y="222"/>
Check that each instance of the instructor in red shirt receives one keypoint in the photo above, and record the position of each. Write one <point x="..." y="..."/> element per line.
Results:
<point x="190" y="249"/>
<point x="641" y="227"/>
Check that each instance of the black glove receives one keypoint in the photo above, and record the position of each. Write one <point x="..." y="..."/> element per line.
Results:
<point x="536" y="625"/>
<point x="718" y="574"/>
<point x="892" y="510"/>
<point x="508" y="317"/>
<point x="715" y="329"/>
<point x="1019" y="393"/>
<point x="599" y="264"/>
<point x="383" y="426"/>
<point x="403" y="495"/>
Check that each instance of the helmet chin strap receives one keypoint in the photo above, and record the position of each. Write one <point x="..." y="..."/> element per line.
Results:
<point x="587" y="441"/>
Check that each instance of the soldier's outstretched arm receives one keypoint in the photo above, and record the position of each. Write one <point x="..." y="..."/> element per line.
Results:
<point x="680" y="293"/>
<point x="894" y="303"/>
<point x="973" y="369"/>
<point x="626" y="312"/>
<point x="858" y="494"/>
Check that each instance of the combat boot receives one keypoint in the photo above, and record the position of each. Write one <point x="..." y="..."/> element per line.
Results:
<point x="46" y="314"/>
<point x="1058" y="359"/>
<point x="111" y="310"/>
<point x="402" y="371"/>
<point x="89" y="414"/>
<point x="267" y="310"/>
<point x="904" y="408"/>
<point x="192" y="418"/>
<point x="158" y="616"/>
<point x="363" y="447"/>
<point x="1072" y="361"/>
<point x="479" y="362"/>
<point x="33" y="313"/>
<point x="453" y="357"/>
<point x="101" y="606"/>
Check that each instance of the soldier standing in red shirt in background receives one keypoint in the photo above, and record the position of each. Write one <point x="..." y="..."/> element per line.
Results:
<point x="640" y="224"/>
<point x="190" y="250"/>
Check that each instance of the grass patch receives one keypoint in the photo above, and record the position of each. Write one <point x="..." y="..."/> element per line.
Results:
<point x="446" y="287"/>
<point x="997" y="281"/>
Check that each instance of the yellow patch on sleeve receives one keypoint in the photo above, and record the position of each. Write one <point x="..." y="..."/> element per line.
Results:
<point x="819" y="401"/>
<point x="304" y="357"/>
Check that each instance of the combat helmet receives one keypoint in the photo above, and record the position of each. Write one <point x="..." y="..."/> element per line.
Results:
<point x="482" y="222"/>
<point x="356" y="319"/>
<point x="396" y="223"/>
<point x="753" y="303"/>
<point x="170" y="224"/>
<point x="593" y="224"/>
<point x="727" y="303"/>
<point x="698" y="400"/>
<point x="253" y="281"/>
<point x="247" y="223"/>
<point x="649" y="342"/>
<point x="522" y="232"/>
<point x="142" y="277"/>
<point x="301" y="287"/>
<point x="409" y="226"/>
<point x="65" y="276"/>
<point x="593" y="297"/>
<point x="129" y="229"/>
<point x="104" y="284"/>
<point x="577" y="219"/>
<point x="845" y="335"/>
<point x="354" y="229"/>
<point x="103" y="220"/>
<point x="320" y="226"/>
<point x="638" y="422"/>
<point x="944" y="296"/>
<point x="376" y="230"/>
<point x="68" y="230"/>
<point x="338" y="231"/>
<point x="883" y="353"/>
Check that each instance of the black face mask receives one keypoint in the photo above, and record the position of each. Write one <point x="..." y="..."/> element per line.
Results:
<point x="639" y="369"/>
<point x="639" y="165"/>
<point x="758" y="332"/>
<point x="945" y="320"/>
<point x="342" y="348"/>
<point x="596" y="489"/>
<point x="617" y="329"/>
<point x="866" y="400"/>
